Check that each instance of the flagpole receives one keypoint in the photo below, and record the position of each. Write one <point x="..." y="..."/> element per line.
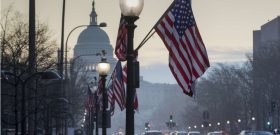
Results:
<point x="144" y="40"/>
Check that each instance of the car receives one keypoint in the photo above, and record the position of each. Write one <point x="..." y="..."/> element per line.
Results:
<point x="180" y="133"/>
<point x="277" y="131"/>
<point x="248" y="132"/>
<point x="193" y="133"/>
<point x="217" y="133"/>
<point x="152" y="132"/>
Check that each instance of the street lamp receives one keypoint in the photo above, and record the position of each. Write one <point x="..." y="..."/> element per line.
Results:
<point x="228" y="122"/>
<point x="218" y="124"/>
<point x="131" y="10"/>
<point x="94" y="90"/>
<point x="239" y="126"/>
<point x="47" y="75"/>
<point x="103" y="69"/>
<point x="253" y="118"/>
<point x="239" y="120"/>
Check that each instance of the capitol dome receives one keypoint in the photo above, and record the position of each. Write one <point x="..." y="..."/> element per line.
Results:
<point x="93" y="34"/>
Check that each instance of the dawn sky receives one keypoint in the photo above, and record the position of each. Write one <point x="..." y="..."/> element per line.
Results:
<point x="225" y="25"/>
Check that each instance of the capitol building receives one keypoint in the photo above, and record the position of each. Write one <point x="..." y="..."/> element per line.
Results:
<point x="93" y="40"/>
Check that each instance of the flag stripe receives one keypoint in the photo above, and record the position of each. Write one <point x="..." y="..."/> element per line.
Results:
<point x="121" y="43"/>
<point x="172" y="52"/>
<point x="173" y="43"/>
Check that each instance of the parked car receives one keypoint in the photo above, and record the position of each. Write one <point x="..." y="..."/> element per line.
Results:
<point x="180" y="133"/>
<point x="248" y="132"/>
<point x="152" y="132"/>
<point x="277" y="131"/>
<point x="194" y="133"/>
<point x="217" y="133"/>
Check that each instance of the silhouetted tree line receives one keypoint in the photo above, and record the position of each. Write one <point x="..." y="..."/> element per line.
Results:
<point x="47" y="108"/>
<point x="232" y="92"/>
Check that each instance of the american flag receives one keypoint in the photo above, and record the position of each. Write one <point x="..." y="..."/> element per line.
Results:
<point x="118" y="85"/>
<point x="188" y="58"/>
<point x="121" y="45"/>
<point x="111" y="98"/>
<point x="90" y="100"/>
<point x="124" y="71"/>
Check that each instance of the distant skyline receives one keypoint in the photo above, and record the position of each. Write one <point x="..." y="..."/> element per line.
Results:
<point x="226" y="26"/>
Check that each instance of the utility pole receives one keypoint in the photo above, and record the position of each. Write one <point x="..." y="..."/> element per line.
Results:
<point x="31" y="67"/>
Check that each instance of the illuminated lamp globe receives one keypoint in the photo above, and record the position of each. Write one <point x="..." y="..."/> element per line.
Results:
<point x="103" y="67"/>
<point x="131" y="7"/>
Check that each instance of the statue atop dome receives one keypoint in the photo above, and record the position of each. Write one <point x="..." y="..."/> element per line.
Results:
<point x="93" y="15"/>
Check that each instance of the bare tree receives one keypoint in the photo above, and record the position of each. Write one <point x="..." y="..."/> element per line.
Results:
<point x="14" y="56"/>
<point x="14" y="35"/>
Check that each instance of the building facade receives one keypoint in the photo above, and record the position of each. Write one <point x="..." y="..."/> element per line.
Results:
<point x="266" y="69"/>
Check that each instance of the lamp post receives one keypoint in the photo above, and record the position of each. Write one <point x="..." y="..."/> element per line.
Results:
<point x="239" y="125"/>
<point x="44" y="75"/>
<point x="218" y="124"/>
<point x="103" y="69"/>
<point x="96" y="112"/>
<point x="130" y="9"/>
<point x="95" y="86"/>
<point x="93" y="91"/>
<point x="253" y="123"/>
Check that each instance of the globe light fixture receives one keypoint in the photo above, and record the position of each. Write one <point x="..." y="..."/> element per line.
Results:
<point x="253" y="118"/>
<point x="131" y="7"/>
<point x="103" y="67"/>
<point x="202" y="126"/>
<point x="209" y="124"/>
<point x="268" y="123"/>
<point x="194" y="126"/>
<point x="239" y="120"/>
<point x="189" y="127"/>
<point x="218" y="123"/>
<point x="228" y="122"/>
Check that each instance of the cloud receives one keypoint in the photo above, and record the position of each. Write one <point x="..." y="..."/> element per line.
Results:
<point x="228" y="54"/>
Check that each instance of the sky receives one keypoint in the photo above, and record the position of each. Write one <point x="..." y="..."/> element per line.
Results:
<point x="226" y="27"/>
